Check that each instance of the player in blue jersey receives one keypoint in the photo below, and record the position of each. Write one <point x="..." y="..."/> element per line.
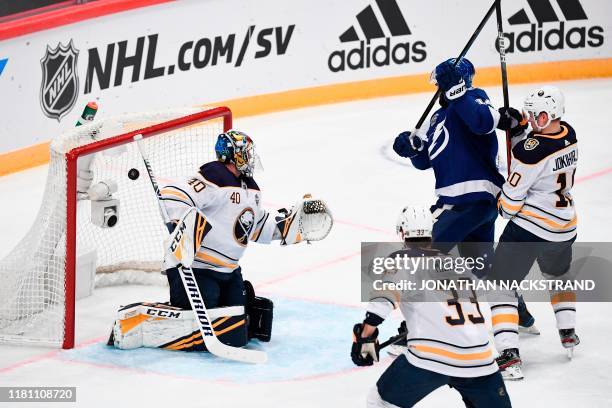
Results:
<point x="460" y="145"/>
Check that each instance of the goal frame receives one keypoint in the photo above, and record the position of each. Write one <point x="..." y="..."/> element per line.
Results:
<point x="71" y="196"/>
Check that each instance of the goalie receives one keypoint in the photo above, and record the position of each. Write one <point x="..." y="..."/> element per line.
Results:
<point x="221" y="207"/>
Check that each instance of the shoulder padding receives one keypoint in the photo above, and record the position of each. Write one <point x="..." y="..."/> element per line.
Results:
<point x="536" y="147"/>
<point x="216" y="173"/>
<point x="478" y="93"/>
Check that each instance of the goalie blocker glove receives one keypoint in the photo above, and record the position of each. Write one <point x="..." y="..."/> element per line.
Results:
<point x="185" y="238"/>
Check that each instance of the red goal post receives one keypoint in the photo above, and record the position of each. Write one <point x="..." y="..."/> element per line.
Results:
<point x="71" y="168"/>
<point x="38" y="301"/>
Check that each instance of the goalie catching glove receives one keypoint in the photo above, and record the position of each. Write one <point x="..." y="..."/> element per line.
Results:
<point x="308" y="220"/>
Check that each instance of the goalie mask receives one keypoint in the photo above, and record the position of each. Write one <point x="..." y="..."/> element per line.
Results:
<point x="237" y="147"/>
<point x="415" y="221"/>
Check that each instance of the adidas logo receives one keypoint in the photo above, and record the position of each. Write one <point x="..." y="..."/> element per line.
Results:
<point x="379" y="31"/>
<point x="548" y="28"/>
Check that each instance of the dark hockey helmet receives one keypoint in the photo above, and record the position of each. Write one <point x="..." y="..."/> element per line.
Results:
<point x="465" y="67"/>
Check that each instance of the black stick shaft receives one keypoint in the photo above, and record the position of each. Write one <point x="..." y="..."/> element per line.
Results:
<point x="461" y="55"/>
<point x="393" y="340"/>
<point x="501" y="45"/>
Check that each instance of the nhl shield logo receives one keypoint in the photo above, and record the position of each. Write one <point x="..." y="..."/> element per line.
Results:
<point x="60" y="84"/>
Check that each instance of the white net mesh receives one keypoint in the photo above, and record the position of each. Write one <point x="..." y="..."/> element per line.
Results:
<point x="32" y="294"/>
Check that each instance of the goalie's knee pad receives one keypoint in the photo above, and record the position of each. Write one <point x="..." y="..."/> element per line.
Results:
<point x="159" y="325"/>
<point x="261" y="312"/>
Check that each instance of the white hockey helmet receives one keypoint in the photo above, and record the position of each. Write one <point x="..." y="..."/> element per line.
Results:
<point x="547" y="99"/>
<point x="415" y="221"/>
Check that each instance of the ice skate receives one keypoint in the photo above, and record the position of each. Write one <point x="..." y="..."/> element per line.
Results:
<point x="509" y="363"/>
<point x="569" y="340"/>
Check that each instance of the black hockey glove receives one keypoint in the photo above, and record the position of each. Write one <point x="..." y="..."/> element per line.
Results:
<point x="408" y="145"/>
<point x="511" y="120"/>
<point x="365" y="350"/>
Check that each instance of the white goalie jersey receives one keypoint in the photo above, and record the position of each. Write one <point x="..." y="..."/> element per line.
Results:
<point x="231" y="205"/>
<point x="537" y="194"/>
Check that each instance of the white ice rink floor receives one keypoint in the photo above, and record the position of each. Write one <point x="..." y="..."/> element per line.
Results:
<point x="340" y="153"/>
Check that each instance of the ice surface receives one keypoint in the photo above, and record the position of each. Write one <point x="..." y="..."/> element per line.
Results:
<point x="340" y="153"/>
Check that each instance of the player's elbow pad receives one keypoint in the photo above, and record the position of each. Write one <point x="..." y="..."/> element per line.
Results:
<point x="373" y="319"/>
<point x="483" y="123"/>
<point x="505" y="210"/>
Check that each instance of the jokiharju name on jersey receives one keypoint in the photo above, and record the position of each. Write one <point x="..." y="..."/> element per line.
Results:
<point x="447" y="333"/>
<point x="232" y="206"/>
<point x="537" y="195"/>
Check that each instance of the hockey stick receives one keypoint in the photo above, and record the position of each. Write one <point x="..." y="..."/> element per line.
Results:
<point x="461" y="55"/>
<point x="392" y="340"/>
<point x="504" y="74"/>
<point x="193" y="291"/>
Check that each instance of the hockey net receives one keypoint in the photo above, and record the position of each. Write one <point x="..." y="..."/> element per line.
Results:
<point x="39" y="277"/>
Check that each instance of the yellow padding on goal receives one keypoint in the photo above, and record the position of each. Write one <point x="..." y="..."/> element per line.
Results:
<point x="36" y="155"/>
<point x="408" y="84"/>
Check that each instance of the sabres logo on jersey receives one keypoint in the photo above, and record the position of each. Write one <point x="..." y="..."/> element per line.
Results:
<point x="244" y="225"/>
<point x="531" y="144"/>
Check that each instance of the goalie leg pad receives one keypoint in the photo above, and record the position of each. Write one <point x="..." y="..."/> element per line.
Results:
<point x="230" y="330"/>
<point x="260" y="311"/>
<point x="159" y="325"/>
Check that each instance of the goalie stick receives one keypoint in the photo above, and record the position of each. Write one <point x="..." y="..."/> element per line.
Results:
<point x="213" y="344"/>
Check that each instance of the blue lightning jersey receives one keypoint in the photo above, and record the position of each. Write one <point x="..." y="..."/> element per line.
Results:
<point x="461" y="147"/>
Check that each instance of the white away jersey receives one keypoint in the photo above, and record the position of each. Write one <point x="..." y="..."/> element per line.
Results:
<point x="232" y="206"/>
<point x="449" y="337"/>
<point x="537" y="195"/>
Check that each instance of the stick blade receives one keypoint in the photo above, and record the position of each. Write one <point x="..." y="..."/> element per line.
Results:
<point x="235" y="353"/>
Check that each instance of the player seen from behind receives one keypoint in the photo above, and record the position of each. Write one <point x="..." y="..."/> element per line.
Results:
<point x="460" y="145"/>
<point x="448" y="340"/>
<point x="226" y="194"/>
<point x="537" y="200"/>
